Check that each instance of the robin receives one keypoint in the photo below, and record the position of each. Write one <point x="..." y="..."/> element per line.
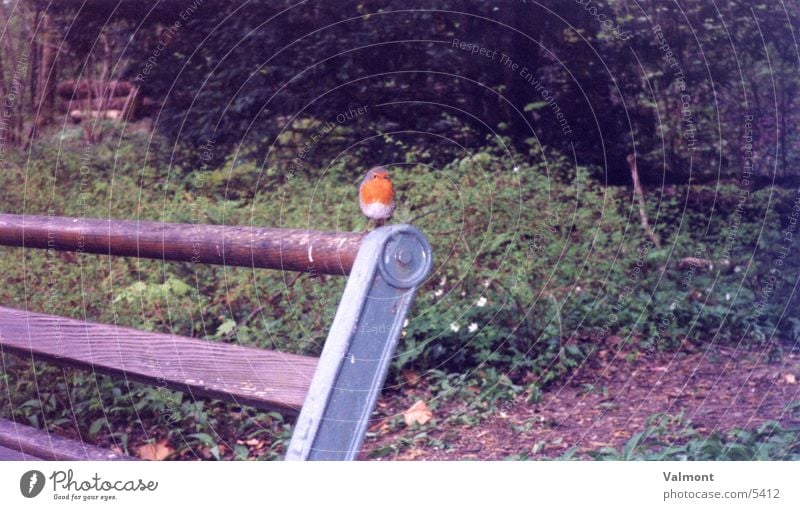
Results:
<point x="376" y="196"/>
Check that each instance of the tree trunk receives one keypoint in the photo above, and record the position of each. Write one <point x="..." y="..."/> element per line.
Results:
<point x="48" y="75"/>
<point x="9" y="57"/>
<point x="529" y="19"/>
<point x="639" y="194"/>
<point x="33" y="70"/>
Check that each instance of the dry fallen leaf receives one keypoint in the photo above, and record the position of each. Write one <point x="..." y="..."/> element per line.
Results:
<point x="411" y="377"/>
<point x="155" y="451"/>
<point x="418" y="413"/>
<point x="258" y="443"/>
<point x="412" y="454"/>
<point x="790" y="378"/>
<point x="379" y="426"/>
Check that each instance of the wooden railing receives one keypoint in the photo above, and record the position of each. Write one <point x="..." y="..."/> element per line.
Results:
<point x="270" y="248"/>
<point x="334" y="394"/>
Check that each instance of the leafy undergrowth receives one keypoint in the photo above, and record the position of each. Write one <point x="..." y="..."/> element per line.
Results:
<point x="149" y="422"/>
<point x="769" y="441"/>
<point x="537" y="267"/>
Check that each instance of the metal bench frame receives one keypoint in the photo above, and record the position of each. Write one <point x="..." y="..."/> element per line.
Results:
<point x="390" y="264"/>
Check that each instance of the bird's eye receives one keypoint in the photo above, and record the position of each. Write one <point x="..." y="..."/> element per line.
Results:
<point x="375" y="176"/>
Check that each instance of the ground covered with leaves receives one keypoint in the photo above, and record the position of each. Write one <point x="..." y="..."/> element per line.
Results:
<point x="716" y="403"/>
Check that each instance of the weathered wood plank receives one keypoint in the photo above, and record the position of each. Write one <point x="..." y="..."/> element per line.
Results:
<point x="273" y="248"/>
<point x="261" y="378"/>
<point x="29" y="443"/>
<point x="8" y="454"/>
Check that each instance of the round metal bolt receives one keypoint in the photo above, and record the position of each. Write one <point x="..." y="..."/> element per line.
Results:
<point x="404" y="257"/>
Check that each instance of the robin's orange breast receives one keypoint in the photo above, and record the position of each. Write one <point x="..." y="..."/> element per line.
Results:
<point x="377" y="190"/>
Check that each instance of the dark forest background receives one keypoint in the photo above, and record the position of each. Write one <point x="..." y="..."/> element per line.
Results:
<point x="600" y="86"/>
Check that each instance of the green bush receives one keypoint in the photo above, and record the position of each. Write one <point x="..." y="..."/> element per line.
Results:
<point x="535" y="263"/>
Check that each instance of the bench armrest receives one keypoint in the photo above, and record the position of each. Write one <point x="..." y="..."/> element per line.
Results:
<point x="391" y="264"/>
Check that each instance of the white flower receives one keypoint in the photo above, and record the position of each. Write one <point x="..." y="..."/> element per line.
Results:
<point x="578" y="288"/>
<point x="737" y="269"/>
<point x="673" y="306"/>
<point x="482" y="302"/>
<point x="443" y="281"/>
<point x="455" y="327"/>
<point x="727" y="296"/>
<point x="516" y="169"/>
<point x="405" y="323"/>
<point x="438" y="292"/>
<point x="473" y="327"/>
<point x="486" y="283"/>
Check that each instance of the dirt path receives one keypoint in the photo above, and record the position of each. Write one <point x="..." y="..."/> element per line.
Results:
<point x="606" y="403"/>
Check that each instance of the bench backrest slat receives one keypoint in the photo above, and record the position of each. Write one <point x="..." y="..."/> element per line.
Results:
<point x="257" y="377"/>
<point x="35" y="444"/>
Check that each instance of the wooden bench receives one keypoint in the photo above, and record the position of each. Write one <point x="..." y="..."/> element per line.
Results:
<point x="333" y="395"/>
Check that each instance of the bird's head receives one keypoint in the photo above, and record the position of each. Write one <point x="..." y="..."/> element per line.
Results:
<point x="376" y="173"/>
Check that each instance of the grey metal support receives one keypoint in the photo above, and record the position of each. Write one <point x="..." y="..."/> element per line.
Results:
<point x="391" y="263"/>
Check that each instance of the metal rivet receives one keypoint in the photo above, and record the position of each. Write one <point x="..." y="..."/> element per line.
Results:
<point x="404" y="257"/>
